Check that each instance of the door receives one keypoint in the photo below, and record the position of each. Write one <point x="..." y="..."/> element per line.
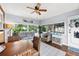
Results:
<point x="73" y="33"/>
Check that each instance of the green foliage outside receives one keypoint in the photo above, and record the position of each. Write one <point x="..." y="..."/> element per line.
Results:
<point x="0" y="22"/>
<point x="19" y="28"/>
<point x="43" y="28"/>
<point x="33" y="28"/>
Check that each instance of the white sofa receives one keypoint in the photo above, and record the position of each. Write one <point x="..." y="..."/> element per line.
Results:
<point x="27" y="35"/>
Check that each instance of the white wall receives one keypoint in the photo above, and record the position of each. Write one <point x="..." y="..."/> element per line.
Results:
<point x="9" y="18"/>
<point x="6" y="35"/>
<point x="61" y="18"/>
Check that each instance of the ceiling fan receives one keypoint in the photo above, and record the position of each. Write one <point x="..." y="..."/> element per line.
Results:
<point x="37" y="9"/>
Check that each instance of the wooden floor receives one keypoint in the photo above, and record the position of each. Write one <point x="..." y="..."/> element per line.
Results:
<point x="20" y="48"/>
<point x="64" y="48"/>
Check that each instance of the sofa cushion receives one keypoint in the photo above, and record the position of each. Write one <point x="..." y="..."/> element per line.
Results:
<point x="26" y="35"/>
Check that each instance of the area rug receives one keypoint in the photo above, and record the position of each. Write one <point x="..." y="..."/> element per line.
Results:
<point x="2" y="48"/>
<point x="47" y="50"/>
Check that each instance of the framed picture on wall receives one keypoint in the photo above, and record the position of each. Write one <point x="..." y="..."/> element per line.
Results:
<point x="1" y="17"/>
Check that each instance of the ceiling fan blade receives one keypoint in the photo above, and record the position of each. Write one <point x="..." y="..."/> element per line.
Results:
<point x="38" y="5"/>
<point x="32" y="12"/>
<point x="38" y="12"/>
<point x="30" y="8"/>
<point x="43" y="10"/>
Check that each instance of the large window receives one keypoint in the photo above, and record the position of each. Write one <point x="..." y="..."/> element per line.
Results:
<point x="33" y="28"/>
<point x="43" y="28"/>
<point x="27" y="28"/>
<point x="59" y="27"/>
<point x="19" y="28"/>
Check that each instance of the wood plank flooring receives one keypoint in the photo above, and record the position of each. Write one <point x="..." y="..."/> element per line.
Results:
<point x="17" y="47"/>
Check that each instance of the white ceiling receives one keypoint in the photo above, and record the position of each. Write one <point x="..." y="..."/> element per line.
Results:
<point x="53" y="9"/>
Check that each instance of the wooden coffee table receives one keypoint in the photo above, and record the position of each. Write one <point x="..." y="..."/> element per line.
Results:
<point x="18" y="48"/>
